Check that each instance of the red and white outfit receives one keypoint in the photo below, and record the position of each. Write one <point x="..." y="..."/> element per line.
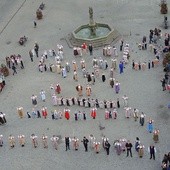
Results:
<point x="67" y="113"/>
<point x="44" y="112"/>
<point x="93" y="113"/>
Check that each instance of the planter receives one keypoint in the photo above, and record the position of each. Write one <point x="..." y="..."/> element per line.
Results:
<point x="4" y="70"/>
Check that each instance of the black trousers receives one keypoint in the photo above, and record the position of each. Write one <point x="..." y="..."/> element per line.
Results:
<point x="152" y="155"/>
<point x="129" y="151"/>
<point x="67" y="146"/>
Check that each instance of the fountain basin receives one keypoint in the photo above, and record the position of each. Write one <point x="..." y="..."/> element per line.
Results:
<point x="104" y="35"/>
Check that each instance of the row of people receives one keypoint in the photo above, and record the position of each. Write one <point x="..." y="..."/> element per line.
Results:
<point x="120" y="145"/>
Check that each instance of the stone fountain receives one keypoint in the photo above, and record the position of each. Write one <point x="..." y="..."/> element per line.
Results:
<point x="97" y="34"/>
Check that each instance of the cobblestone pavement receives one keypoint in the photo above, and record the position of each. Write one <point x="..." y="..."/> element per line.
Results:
<point x="142" y="87"/>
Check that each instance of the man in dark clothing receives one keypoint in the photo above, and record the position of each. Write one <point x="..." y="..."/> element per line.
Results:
<point x="163" y="84"/>
<point x="107" y="147"/>
<point x="36" y="48"/>
<point x="67" y="142"/>
<point x="152" y="151"/>
<point x="129" y="148"/>
<point x="85" y="143"/>
<point x="14" y="69"/>
<point x="91" y="49"/>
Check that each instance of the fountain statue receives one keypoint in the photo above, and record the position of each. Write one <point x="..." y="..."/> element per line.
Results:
<point x="98" y="34"/>
<point x="92" y="24"/>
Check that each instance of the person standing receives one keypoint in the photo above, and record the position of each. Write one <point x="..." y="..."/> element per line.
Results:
<point x="85" y="143"/>
<point x="34" y="100"/>
<point x="136" y="114"/>
<point x="21" y="140"/>
<point x="91" y="49"/>
<point x="103" y="77"/>
<point x="156" y="135"/>
<point x="34" y="140"/>
<point x="36" y="48"/>
<point x="96" y="147"/>
<point x="149" y="64"/>
<point x="31" y="55"/>
<point x="118" y="147"/>
<point x="142" y="119"/>
<point x="79" y="89"/>
<point x="11" y="141"/>
<point x="129" y="148"/>
<point x="107" y="147"/>
<point x="67" y="113"/>
<point x="152" y="151"/>
<point x="42" y="94"/>
<point x="58" y="89"/>
<point x="93" y="113"/>
<point x="44" y="141"/>
<point x="88" y="90"/>
<point x="20" y="112"/>
<point x="54" y="140"/>
<point x="117" y="87"/>
<point x="44" y="112"/>
<point x="14" y="69"/>
<point x="121" y="67"/>
<point x="67" y="143"/>
<point x="125" y="101"/>
<point x="150" y="125"/>
<point x="141" y="150"/>
<point x="1" y="140"/>
<point x="75" y="143"/>
<point x="163" y="84"/>
<point x="118" y="103"/>
<point x="35" y="24"/>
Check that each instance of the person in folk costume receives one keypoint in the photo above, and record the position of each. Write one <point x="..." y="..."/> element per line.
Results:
<point x="42" y="94"/>
<point x="54" y="100"/>
<point x="82" y="63"/>
<point x="93" y="113"/>
<point x="44" y="141"/>
<point x="142" y="119"/>
<point x="106" y="114"/>
<point x="21" y="140"/>
<point x="137" y="143"/>
<point x="52" y="90"/>
<point x="114" y="114"/>
<point x="75" y="77"/>
<point x="75" y="143"/>
<point x="34" y="100"/>
<point x="88" y="90"/>
<point x="67" y="113"/>
<point x="108" y="104"/>
<point x="34" y="140"/>
<point x="123" y="144"/>
<point x="84" y="48"/>
<point x="60" y="114"/>
<point x="80" y="116"/>
<point x="20" y="112"/>
<point x="118" y="147"/>
<point x="117" y="87"/>
<point x="44" y="112"/>
<point x="58" y="68"/>
<point x="136" y="114"/>
<point x="74" y="65"/>
<point x="33" y="113"/>
<point x="125" y="101"/>
<point x="114" y="63"/>
<point x="58" y="89"/>
<point x="111" y="72"/>
<point x="96" y="146"/>
<point x="1" y="140"/>
<point x="128" y="112"/>
<point x="101" y="104"/>
<point x="156" y="135"/>
<point x="54" y="141"/>
<point x="141" y="150"/>
<point x="86" y="103"/>
<point x="64" y="101"/>
<point x="11" y="139"/>
<point x="64" y="72"/>
<point x="150" y="125"/>
<point x="95" y="61"/>
<point x="79" y="89"/>
<point x="91" y="49"/>
<point x="92" y="139"/>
